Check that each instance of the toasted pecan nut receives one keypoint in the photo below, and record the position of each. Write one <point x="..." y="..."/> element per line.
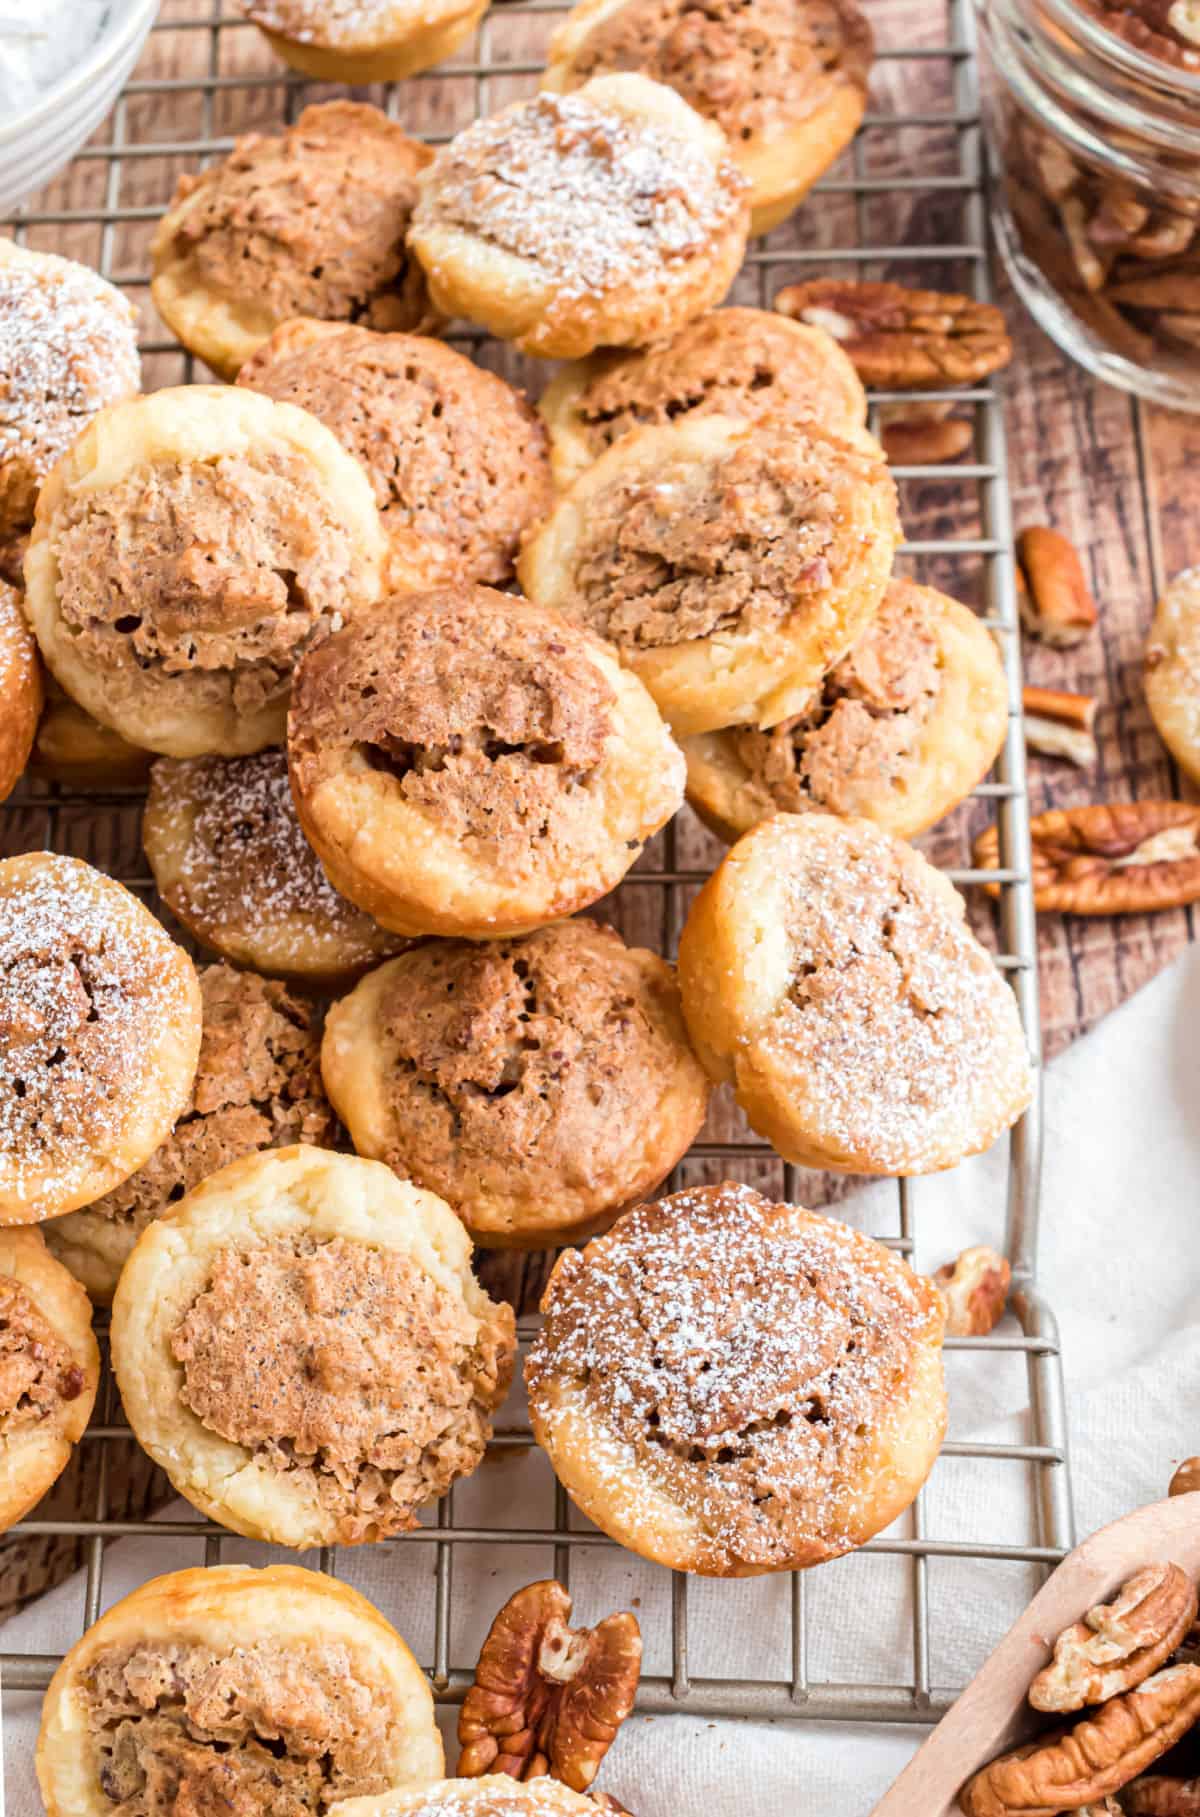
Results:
<point x="1056" y="604"/>
<point x="975" y="1288"/>
<point x="1186" y="1479"/>
<point x="1118" y="1644"/>
<point x="917" y="442"/>
<point x="1059" y="724"/>
<point x="1073" y="1768"/>
<point x="548" y="1698"/>
<point x="1158" y="1796"/>
<point x="901" y="339"/>
<point x="1112" y="858"/>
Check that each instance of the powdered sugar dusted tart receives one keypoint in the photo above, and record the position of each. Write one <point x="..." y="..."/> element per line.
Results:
<point x="99" y="1034"/>
<point x="364" y="40"/>
<point x="731" y="1386"/>
<point x="609" y="217"/>
<point x="729" y="563"/>
<point x="829" y="975"/>
<point x="491" y="1795"/>
<point x="49" y="1370"/>
<point x="241" y="1690"/>
<point x="302" y="1346"/>
<point x="20" y="689"/>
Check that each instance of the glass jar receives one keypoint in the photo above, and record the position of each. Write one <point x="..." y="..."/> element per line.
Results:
<point x="1093" y="117"/>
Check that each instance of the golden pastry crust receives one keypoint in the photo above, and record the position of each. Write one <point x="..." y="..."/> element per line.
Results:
<point x="236" y="1685"/>
<point x="303" y="1348"/>
<point x="99" y="1034"/>
<point x="730" y="1386"/>
<point x="68" y="348"/>
<point x="230" y="861"/>
<point x="368" y="41"/>
<point x="899" y="732"/>
<point x="49" y="1370"/>
<point x="20" y="689"/>
<point x="187" y="550"/>
<point x="456" y="457"/>
<point x="539" y="1084"/>
<point x="605" y="218"/>
<point x="257" y="1086"/>
<point x="73" y="748"/>
<point x="744" y="363"/>
<point x="308" y="222"/>
<point x="1172" y="673"/>
<point x="466" y="763"/>
<point x="730" y="563"/>
<point x="785" y="80"/>
<point x="828" y="974"/>
<point x="490" y="1795"/>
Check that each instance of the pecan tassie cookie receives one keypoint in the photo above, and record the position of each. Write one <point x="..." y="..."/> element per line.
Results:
<point x="226" y="1688"/>
<point x="230" y="862"/>
<point x="73" y="748"/>
<point x="302" y="1346"/>
<point x="466" y="763"/>
<point x="364" y="40"/>
<point x="99" y="1034"/>
<point x="68" y="347"/>
<point x="491" y="1795"/>
<point x="829" y="976"/>
<point x="257" y="1086"/>
<point x="609" y="217"/>
<point x="186" y="552"/>
<point x="49" y="1370"/>
<point x="456" y="458"/>
<point x="898" y="732"/>
<point x="538" y="1085"/>
<point x="730" y="563"/>
<point x="20" y="689"/>
<point x="744" y="363"/>
<point x="785" y="80"/>
<point x="308" y="222"/>
<point x="731" y="1386"/>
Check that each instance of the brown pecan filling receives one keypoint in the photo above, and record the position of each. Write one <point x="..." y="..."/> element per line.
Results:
<point x="37" y="1370"/>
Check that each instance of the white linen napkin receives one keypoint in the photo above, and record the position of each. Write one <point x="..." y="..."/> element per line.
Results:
<point x="1120" y="1264"/>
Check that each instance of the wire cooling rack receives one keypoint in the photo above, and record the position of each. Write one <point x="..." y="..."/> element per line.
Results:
<point x="907" y="202"/>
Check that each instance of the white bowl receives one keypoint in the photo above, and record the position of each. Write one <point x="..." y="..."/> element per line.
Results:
<point x="40" y="140"/>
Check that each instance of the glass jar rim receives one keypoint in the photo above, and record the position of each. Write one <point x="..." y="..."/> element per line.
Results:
<point x="1084" y="25"/>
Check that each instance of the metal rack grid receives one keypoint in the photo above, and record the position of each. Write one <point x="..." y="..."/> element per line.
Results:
<point x="226" y="77"/>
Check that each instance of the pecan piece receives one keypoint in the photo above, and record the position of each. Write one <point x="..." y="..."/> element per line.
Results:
<point x="1156" y="1796"/>
<point x="1072" y="1768"/>
<point x="1114" y="858"/>
<point x="1056" y="604"/>
<point x="975" y="1290"/>
<point x="1118" y="1644"/>
<point x="1178" y="291"/>
<point x="916" y="442"/>
<point x="1186" y="1479"/>
<point x="901" y="339"/>
<point x="548" y="1698"/>
<point x="1059" y="724"/>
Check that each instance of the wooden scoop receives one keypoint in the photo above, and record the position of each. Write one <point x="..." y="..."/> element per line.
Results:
<point x="992" y="1714"/>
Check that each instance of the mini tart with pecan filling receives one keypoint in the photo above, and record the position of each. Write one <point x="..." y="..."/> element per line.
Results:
<point x="235" y="1689"/>
<point x="308" y="222"/>
<point x="729" y="563"/>
<point x="829" y="976"/>
<point x="20" y="689"/>
<point x="49" y="1370"/>
<point x="538" y="1084"/>
<point x="785" y="80"/>
<point x="369" y="41"/>
<point x="491" y="1795"/>
<point x="187" y="550"/>
<point x="73" y="748"/>
<point x="898" y="732"/>
<point x="303" y="1348"/>
<point x="743" y="363"/>
<point x="467" y="763"/>
<point x="730" y="1386"/>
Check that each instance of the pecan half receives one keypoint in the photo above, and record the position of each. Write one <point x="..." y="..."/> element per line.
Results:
<point x="975" y="1289"/>
<point x="1118" y="1644"/>
<point x="1112" y="858"/>
<point x="1070" y="1769"/>
<point x="1186" y="1479"/>
<point x="913" y="442"/>
<point x="1057" y="604"/>
<point x="548" y="1698"/>
<point x="901" y="339"/>
<point x="1156" y="1796"/>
